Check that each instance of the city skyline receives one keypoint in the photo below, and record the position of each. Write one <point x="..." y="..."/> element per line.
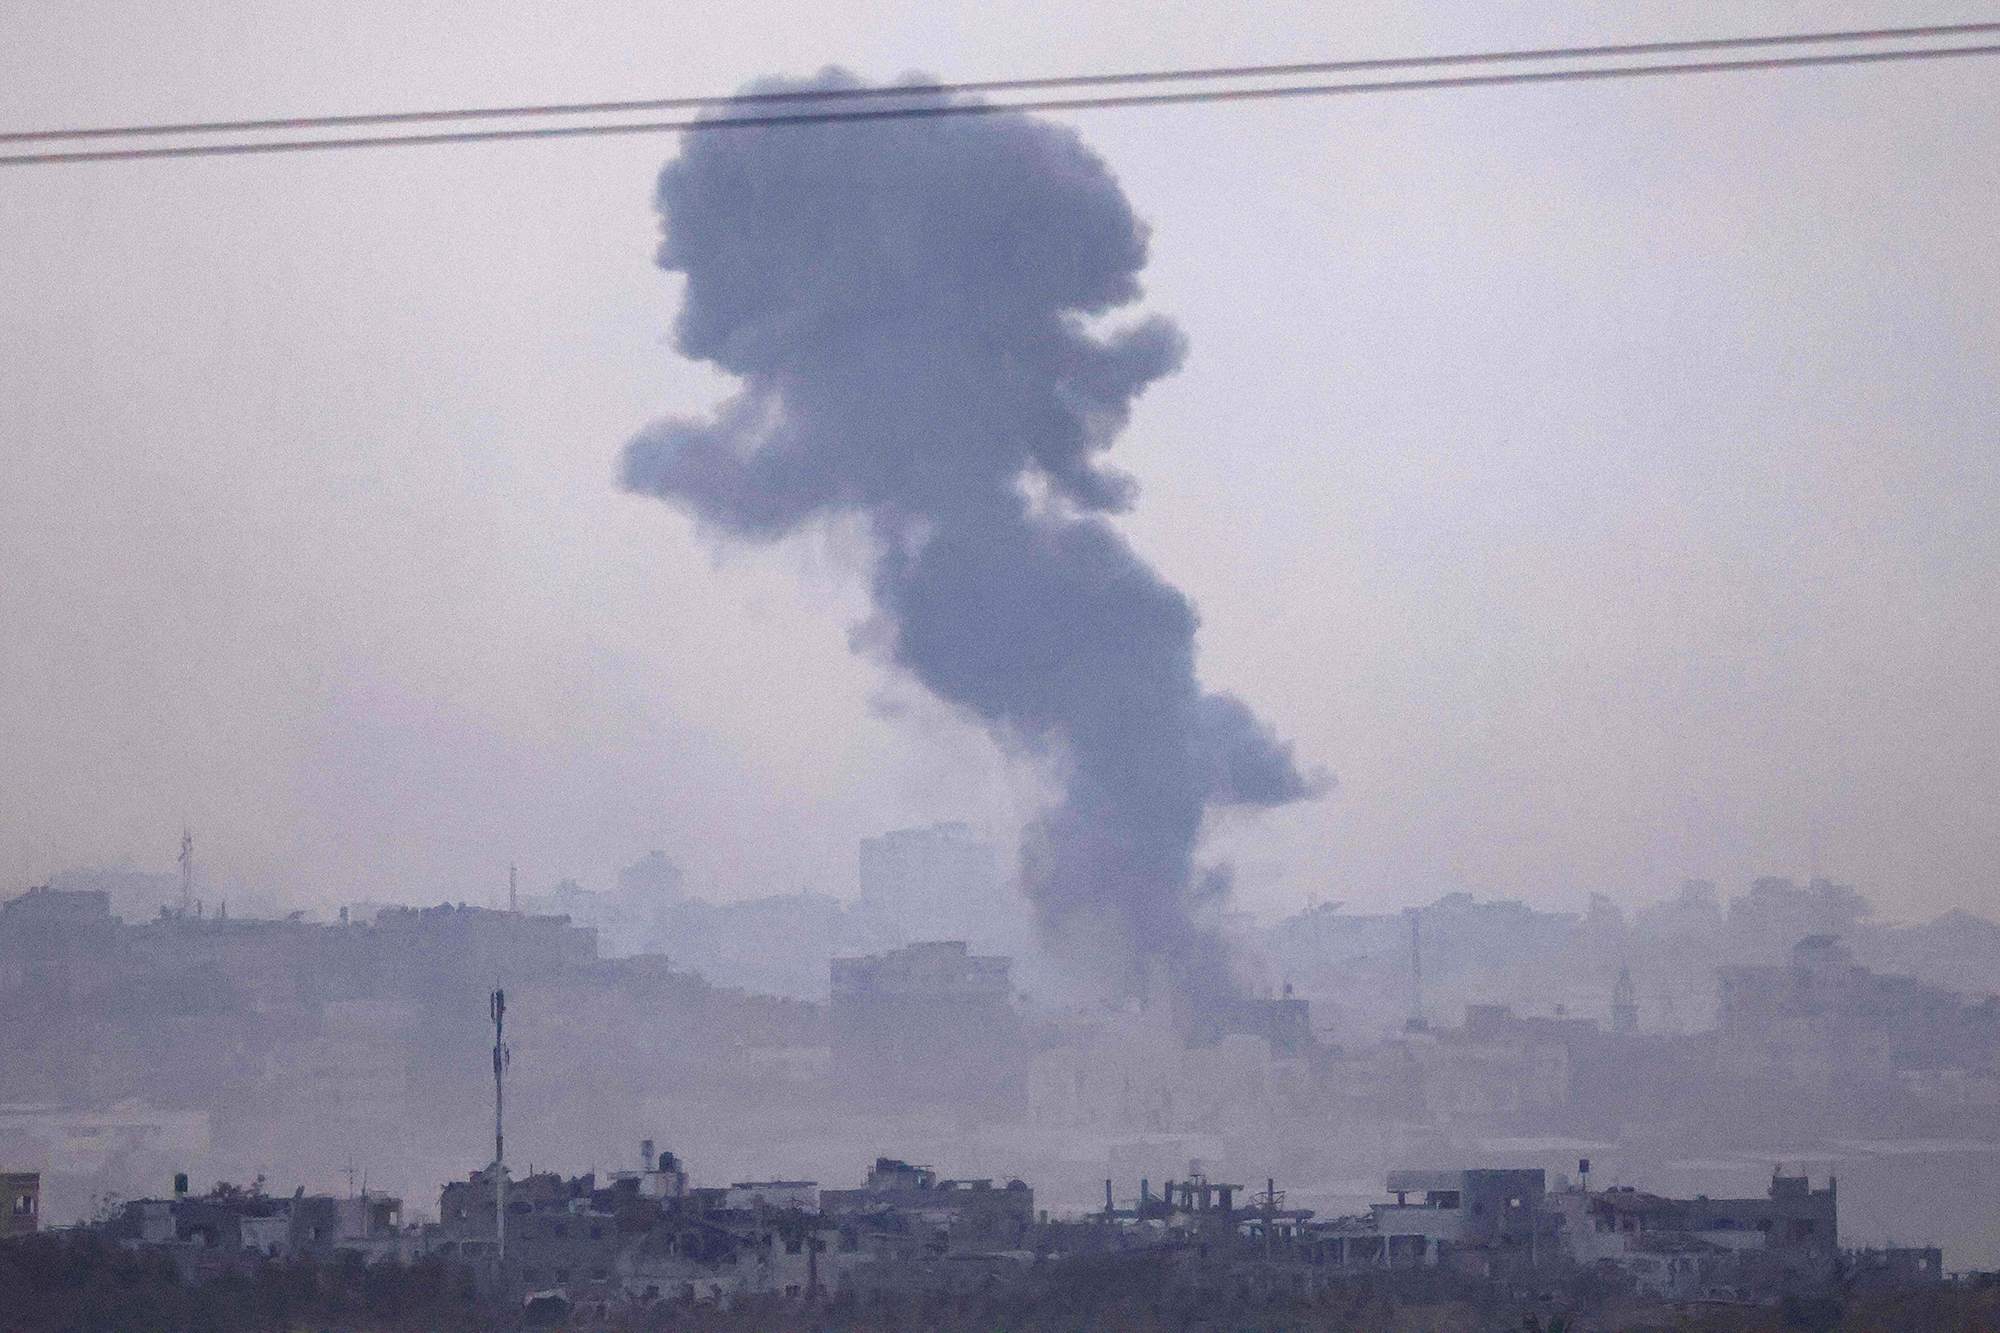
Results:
<point x="1594" y="479"/>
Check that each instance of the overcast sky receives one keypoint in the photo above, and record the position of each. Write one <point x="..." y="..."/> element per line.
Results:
<point x="1601" y="480"/>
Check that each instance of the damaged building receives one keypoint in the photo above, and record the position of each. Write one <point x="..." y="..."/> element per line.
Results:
<point x="232" y="1227"/>
<point x="1717" y="1249"/>
<point x="646" y="1235"/>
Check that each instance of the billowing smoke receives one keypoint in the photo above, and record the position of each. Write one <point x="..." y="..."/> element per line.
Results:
<point x="905" y="303"/>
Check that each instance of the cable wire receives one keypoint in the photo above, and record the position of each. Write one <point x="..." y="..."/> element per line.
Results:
<point x="932" y="110"/>
<point x="1010" y="85"/>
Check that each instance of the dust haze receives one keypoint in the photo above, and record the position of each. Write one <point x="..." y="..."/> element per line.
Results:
<point x="942" y="777"/>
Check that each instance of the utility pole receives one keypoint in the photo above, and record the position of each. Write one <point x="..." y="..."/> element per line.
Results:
<point x="498" y="1005"/>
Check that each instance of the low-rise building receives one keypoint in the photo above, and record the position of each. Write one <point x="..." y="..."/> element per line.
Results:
<point x="1698" y="1248"/>
<point x="622" y="1239"/>
<point x="229" y="1225"/>
<point x="773" y="1195"/>
<point x="1483" y="1219"/>
<point x="906" y="1211"/>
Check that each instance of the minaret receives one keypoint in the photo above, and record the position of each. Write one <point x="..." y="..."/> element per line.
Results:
<point x="1624" y="1003"/>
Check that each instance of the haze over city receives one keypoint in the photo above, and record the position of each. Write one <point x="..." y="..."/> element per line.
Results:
<point x="1426" y="638"/>
<point x="1596" y="480"/>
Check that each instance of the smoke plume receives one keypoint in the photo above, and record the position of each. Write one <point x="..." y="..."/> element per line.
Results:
<point x="905" y="304"/>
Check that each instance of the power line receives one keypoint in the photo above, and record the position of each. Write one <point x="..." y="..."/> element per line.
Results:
<point x="1010" y="85"/>
<point x="926" y="111"/>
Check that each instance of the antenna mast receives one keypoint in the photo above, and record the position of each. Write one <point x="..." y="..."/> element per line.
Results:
<point x="501" y="1059"/>
<point x="187" y="868"/>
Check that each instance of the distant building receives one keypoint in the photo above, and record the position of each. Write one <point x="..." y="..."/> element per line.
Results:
<point x="55" y="944"/>
<point x="931" y="1024"/>
<point x="904" y="1211"/>
<point x="1696" y="913"/>
<point x="890" y="1174"/>
<point x="423" y="949"/>
<point x="1825" y="1019"/>
<point x="1501" y="1066"/>
<point x="776" y="945"/>
<point x="935" y="883"/>
<point x="1777" y="911"/>
<point x="1624" y="1003"/>
<point x="1285" y="1023"/>
<point x="69" y="906"/>
<point x="21" y="1194"/>
<point x="653" y="875"/>
<point x="776" y="1195"/>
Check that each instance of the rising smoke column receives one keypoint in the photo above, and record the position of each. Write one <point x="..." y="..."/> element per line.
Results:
<point x="904" y="302"/>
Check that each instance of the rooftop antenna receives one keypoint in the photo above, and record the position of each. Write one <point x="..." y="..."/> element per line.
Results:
<point x="513" y="899"/>
<point x="501" y="1059"/>
<point x="187" y="867"/>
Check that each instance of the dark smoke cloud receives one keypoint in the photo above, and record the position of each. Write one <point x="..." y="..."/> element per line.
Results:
<point x="905" y="304"/>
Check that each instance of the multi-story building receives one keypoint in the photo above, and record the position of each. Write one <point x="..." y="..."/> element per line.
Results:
<point x="931" y="1024"/>
<point x="1824" y="1019"/>
<point x="936" y="883"/>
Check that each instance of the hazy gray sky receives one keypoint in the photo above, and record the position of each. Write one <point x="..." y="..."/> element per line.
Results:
<point x="1600" y="480"/>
